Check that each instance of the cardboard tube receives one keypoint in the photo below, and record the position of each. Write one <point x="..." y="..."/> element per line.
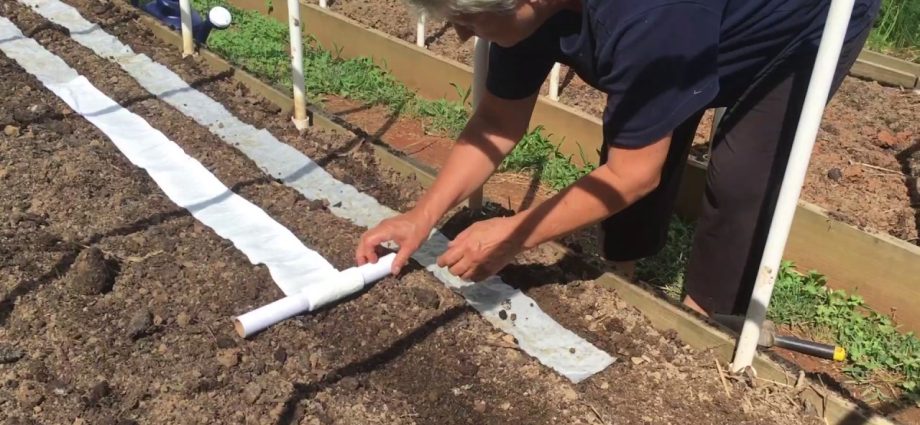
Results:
<point x="313" y="296"/>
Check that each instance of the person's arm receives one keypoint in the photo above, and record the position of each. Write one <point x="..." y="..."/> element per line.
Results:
<point x="492" y="132"/>
<point x="495" y="128"/>
<point x="486" y="246"/>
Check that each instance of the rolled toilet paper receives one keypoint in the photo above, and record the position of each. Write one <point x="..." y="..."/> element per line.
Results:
<point x="313" y="296"/>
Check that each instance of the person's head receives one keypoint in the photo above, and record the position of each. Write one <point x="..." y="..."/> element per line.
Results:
<point x="503" y="22"/>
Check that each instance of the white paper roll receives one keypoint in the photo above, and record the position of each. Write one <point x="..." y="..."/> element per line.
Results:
<point x="373" y="272"/>
<point x="313" y="296"/>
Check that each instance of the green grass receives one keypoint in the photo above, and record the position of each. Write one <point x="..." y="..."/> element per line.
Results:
<point x="878" y="352"/>
<point x="897" y="29"/>
<point x="536" y="154"/>
<point x="260" y="45"/>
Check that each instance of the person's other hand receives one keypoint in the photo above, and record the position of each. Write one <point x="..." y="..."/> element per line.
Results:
<point x="408" y="230"/>
<point x="482" y="249"/>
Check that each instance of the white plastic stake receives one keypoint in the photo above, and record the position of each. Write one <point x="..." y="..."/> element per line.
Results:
<point x="185" y="16"/>
<point x="480" y="71"/>
<point x="297" y="77"/>
<point x="315" y="295"/>
<point x="322" y="3"/>
<point x="813" y="109"/>
<point x="554" y="82"/>
<point x="420" y="31"/>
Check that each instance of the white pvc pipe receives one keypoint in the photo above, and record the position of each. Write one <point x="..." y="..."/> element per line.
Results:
<point x="322" y="3"/>
<point x="313" y="296"/>
<point x="420" y="31"/>
<point x="297" y="77"/>
<point x="554" y="82"/>
<point x="480" y="71"/>
<point x="185" y="16"/>
<point x="813" y="109"/>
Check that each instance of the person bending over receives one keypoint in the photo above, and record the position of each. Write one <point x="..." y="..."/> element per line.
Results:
<point x="661" y="64"/>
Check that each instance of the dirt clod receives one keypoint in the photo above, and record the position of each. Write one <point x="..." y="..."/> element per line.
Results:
<point x="502" y="314"/>
<point x="229" y="357"/>
<point x="252" y="392"/>
<point x="480" y="406"/>
<point x="224" y="341"/>
<point x="92" y="275"/>
<point x="11" y="131"/>
<point x="183" y="319"/>
<point x="10" y="354"/>
<point x="29" y="394"/>
<point x="280" y="355"/>
<point x="350" y="383"/>
<point x="97" y="393"/>
<point x="835" y="174"/>
<point x="426" y="298"/>
<point x="140" y="324"/>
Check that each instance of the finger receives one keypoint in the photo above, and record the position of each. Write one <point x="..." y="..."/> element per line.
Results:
<point x="402" y="257"/>
<point x="451" y="256"/>
<point x="367" y="252"/>
<point x="461" y="267"/>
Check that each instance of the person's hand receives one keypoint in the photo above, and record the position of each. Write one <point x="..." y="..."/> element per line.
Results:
<point x="482" y="249"/>
<point x="408" y="230"/>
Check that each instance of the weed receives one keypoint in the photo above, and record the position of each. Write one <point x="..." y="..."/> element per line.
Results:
<point x="535" y="153"/>
<point x="897" y="29"/>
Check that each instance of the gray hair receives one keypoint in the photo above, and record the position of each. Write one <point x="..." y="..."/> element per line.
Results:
<point x="443" y="8"/>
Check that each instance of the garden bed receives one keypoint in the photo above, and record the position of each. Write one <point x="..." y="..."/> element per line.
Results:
<point x="117" y="304"/>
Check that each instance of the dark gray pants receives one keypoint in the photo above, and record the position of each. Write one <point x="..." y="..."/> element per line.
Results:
<point x="748" y="159"/>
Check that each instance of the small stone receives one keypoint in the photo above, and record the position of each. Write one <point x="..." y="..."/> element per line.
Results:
<point x="509" y="339"/>
<point x="11" y="131"/>
<point x="252" y="392"/>
<point x="513" y="317"/>
<point x="140" y="323"/>
<point x="183" y="319"/>
<point x="280" y="355"/>
<point x="502" y="314"/>
<point x="10" y="354"/>
<point x="637" y="360"/>
<point x="505" y="406"/>
<point x="479" y="406"/>
<point x="318" y="205"/>
<point x="604" y="385"/>
<point x="835" y="174"/>
<point x="229" y="358"/>
<point x="29" y="394"/>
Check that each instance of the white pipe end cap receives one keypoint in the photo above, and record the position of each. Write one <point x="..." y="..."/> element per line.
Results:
<point x="220" y="17"/>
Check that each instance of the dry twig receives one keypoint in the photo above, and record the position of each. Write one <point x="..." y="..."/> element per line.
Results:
<point x="728" y="393"/>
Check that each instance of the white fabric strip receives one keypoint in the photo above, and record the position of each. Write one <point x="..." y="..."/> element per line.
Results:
<point x="537" y="333"/>
<point x="183" y="179"/>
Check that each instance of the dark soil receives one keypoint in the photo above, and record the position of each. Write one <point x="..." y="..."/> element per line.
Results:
<point x="870" y="134"/>
<point x="157" y="345"/>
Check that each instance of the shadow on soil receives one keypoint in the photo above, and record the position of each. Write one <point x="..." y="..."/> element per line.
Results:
<point x="910" y="165"/>
<point x="292" y="414"/>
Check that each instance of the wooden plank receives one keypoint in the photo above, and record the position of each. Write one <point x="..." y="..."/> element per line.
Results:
<point x="890" y="62"/>
<point x="882" y="269"/>
<point x="883" y="74"/>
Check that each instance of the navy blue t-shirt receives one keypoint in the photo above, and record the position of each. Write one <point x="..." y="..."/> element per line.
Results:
<point x="660" y="61"/>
